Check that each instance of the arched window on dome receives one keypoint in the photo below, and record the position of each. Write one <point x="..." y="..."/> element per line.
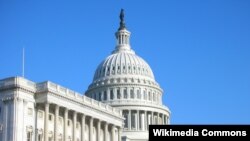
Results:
<point x="149" y="96"/>
<point x="100" y="96"/>
<point x="125" y="95"/>
<point x="138" y="94"/>
<point x="105" y="95"/>
<point x="154" y="97"/>
<point x="132" y="95"/>
<point x="111" y="94"/>
<point x="118" y="94"/>
<point x="145" y="94"/>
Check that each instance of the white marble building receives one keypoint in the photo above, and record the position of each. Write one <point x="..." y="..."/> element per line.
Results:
<point x="120" y="103"/>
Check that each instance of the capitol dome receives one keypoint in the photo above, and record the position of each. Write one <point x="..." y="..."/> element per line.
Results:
<point x="125" y="81"/>
<point x="123" y="63"/>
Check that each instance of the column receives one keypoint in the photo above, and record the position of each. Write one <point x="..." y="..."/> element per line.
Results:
<point x="56" y="122"/>
<point x="113" y="133"/>
<point x="163" y="119"/>
<point x="83" y="127"/>
<point x="98" y="130"/>
<point x="91" y="129"/>
<point x="152" y="117"/>
<point x="46" y="120"/>
<point x="65" y="124"/>
<point x="146" y="120"/>
<point x="74" y="125"/>
<point x="115" y="92"/>
<point x="119" y="134"/>
<point x="138" y="120"/>
<point x="108" y="94"/>
<point x="106" y="132"/>
<point x="5" y="120"/>
<point x="129" y="119"/>
<point x="158" y="118"/>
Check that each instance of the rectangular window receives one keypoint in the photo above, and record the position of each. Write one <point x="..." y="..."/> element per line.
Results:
<point x="125" y="95"/>
<point x="118" y="94"/>
<point x="133" y="121"/>
<point x="105" y="95"/>
<point x="111" y="94"/>
<point x="29" y="136"/>
<point x="100" y="96"/>
<point x="60" y="121"/>
<point x="50" y="117"/>
<point x="145" y="95"/>
<point x="68" y="123"/>
<point x="40" y="137"/>
<point x="40" y="114"/>
<point x="30" y="111"/>
<point x="125" y="115"/>
<point x="149" y="96"/>
<point x="132" y="96"/>
<point x="138" y="94"/>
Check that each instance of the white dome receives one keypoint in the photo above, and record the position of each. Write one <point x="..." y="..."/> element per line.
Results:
<point x="123" y="63"/>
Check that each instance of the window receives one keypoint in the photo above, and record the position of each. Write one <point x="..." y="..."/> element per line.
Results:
<point x="50" y="117"/>
<point x="60" y="121"/>
<point x="105" y="95"/>
<point x="118" y="94"/>
<point x="30" y="111"/>
<point x="138" y="94"/>
<point x="69" y="122"/>
<point x="29" y="136"/>
<point x="133" y="121"/>
<point x="100" y="96"/>
<point x="125" y="115"/>
<point x="40" y="137"/>
<point x="40" y="114"/>
<point x="149" y="96"/>
<point x="77" y="125"/>
<point x="125" y="95"/>
<point x="145" y="94"/>
<point x="154" y="97"/>
<point x="111" y="94"/>
<point x="132" y="95"/>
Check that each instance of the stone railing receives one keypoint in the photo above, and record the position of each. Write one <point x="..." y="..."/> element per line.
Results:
<point x="76" y="96"/>
<point x="57" y="89"/>
<point x="18" y="81"/>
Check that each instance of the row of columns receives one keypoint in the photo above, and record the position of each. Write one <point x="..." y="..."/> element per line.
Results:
<point x="83" y="117"/>
<point x="155" y="97"/>
<point x="144" y="122"/>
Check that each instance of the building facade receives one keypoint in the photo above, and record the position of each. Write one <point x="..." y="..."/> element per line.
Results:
<point x="120" y="103"/>
<point x="125" y="81"/>
<point x="49" y="112"/>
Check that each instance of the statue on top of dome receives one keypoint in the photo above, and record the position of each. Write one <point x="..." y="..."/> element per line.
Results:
<point x="122" y="22"/>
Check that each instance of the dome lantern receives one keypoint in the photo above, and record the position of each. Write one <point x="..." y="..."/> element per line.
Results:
<point x="122" y="36"/>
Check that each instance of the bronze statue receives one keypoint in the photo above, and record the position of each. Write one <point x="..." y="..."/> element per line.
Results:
<point x="122" y="22"/>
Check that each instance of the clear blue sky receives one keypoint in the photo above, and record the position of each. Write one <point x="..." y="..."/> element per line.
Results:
<point x="199" y="50"/>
